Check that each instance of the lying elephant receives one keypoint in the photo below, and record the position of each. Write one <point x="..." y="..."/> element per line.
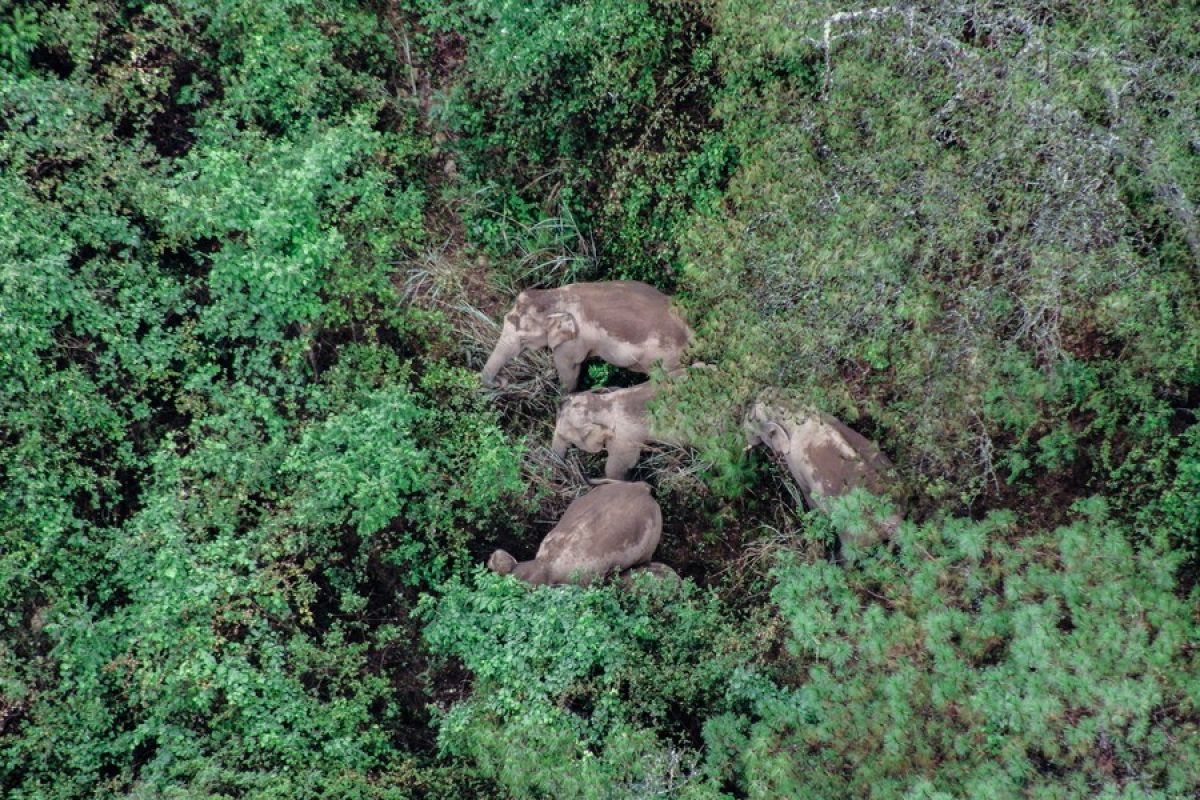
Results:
<point x="626" y="323"/>
<point x="611" y="528"/>
<point x="827" y="459"/>
<point x="609" y="419"/>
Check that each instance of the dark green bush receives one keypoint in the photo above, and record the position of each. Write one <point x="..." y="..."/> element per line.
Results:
<point x="591" y="114"/>
<point x="980" y="661"/>
<point x="246" y="484"/>
<point x="585" y="693"/>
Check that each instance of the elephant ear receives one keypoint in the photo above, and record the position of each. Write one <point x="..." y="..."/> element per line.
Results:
<point x="596" y="437"/>
<point x="776" y="437"/>
<point x="754" y="425"/>
<point x="560" y="327"/>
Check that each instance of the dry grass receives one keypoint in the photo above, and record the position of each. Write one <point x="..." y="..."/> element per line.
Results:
<point x="748" y="575"/>
<point x="565" y="478"/>
<point x="674" y="469"/>
<point x="436" y="277"/>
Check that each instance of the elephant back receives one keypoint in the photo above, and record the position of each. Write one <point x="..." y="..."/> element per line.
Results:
<point x="836" y="459"/>
<point x="635" y="399"/>
<point x="630" y="311"/>
<point x="875" y="466"/>
<point x="613" y="527"/>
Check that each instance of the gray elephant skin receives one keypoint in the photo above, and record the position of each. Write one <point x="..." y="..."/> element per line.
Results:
<point x="612" y="528"/>
<point x="827" y="460"/>
<point x="627" y="323"/>
<point x="614" y="420"/>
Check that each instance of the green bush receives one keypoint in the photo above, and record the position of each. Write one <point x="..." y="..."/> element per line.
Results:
<point x="975" y="661"/>
<point x="934" y="227"/>
<point x="227" y="459"/>
<point x="585" y="692"/>
<point x="590" y="112"/>
<point x="982" y="662"/>
<point x="229" y="622"/>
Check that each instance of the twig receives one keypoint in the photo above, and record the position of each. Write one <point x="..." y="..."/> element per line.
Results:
<point x="846" y="16"/>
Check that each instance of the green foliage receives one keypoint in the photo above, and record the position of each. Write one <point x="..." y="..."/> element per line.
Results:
<point x="584" y="692"/>
<point x="599" y="374"/>
<point x="245" y="484"/>
<point x="221" y="466"/>
<point x="18" y="37"/>
<point x="973" y="664"/>
<point x="1164" y="488"/>
<point x="210" y="593"/>
<point x="933" y="225"/>
<point x="597" y="107"/>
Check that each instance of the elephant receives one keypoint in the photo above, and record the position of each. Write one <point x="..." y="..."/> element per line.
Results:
<point x="626" y="323"/>
<point x="827" y="460"/>
<point x="610" y="419"/>
<point x="613" y="527"/>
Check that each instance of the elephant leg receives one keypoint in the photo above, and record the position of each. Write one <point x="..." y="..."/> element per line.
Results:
<point x="622" y="455"/>
<point x="559" y="445"/>
<point x="567" y="365"/>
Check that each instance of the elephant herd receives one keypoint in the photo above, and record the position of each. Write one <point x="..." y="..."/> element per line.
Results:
<point x="615" y="527"/>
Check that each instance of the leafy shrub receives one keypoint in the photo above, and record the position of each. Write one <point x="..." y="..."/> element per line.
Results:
<point x="934" y="227"/>
<point x="598" y="108"/>
<point x="979" y="663"/>
<point x="203" y="649"/>
<point x="222" y="469"/>
<point x="584" y="692"/>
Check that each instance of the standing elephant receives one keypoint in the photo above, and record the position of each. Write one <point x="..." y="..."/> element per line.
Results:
<point x="614" y="420"/>
<point x="610" y="529"/>
<point x="827" y="459"/>
<point x="626" y="323"/>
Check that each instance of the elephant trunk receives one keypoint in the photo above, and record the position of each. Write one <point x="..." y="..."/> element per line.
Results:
<point x="533" y="571"/>
<point x="559" y="444"/>
<point x="507" y="348"/>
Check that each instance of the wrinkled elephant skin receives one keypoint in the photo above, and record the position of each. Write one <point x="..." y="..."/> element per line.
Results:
<point x="610" y="529"/>
<point x="627" y="323"/>
<point x="827" y="459"/>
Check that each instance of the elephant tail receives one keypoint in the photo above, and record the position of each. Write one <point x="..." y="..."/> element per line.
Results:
<point x="606" y="481"/>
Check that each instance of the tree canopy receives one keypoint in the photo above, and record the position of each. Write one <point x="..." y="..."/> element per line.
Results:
<point x="252" y="253"/>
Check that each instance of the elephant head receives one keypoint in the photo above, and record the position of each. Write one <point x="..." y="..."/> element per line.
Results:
<point x="578" y="425"/>
<point x="533" y="322"/>
<point x="614" y="420"/>
<point x="529" y="571"/>
<point x="761" y="428"/>
<point x="502" y="562"/>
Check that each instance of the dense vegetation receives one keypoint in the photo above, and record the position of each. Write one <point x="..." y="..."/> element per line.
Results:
<point x="249" y="251"/>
